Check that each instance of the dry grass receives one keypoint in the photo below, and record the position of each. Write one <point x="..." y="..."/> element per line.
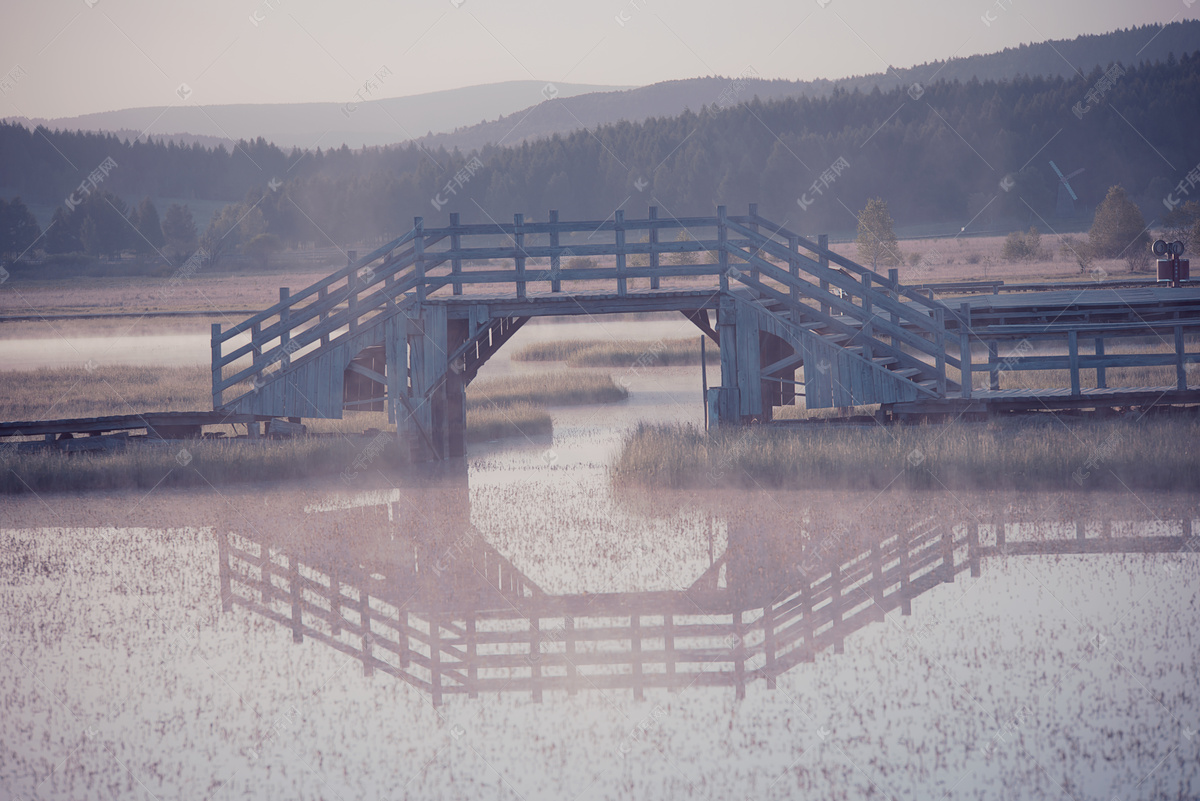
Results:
<point x="619" y="353"/>
<point x="491" y="422"/>
<point x="1161" y="454"/>
<point x="111" y="389"/>
<point x="197" y="463"/>
<point x="546" y="389"/>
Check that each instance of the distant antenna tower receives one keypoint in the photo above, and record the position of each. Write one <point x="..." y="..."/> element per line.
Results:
<point x="1065" y="207"/>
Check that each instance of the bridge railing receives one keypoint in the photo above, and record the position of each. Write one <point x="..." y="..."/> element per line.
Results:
<point x="1057" y="347"/>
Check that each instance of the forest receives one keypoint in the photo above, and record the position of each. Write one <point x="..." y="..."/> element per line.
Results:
<point x="944" y="152"/>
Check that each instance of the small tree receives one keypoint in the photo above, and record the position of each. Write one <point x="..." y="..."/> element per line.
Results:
<point x="1182" y="223"/>
<point x="876" y="239"/>
<point x="1119" y="230"/>
<point x="179" y="232"/>
<point x="61" y="235"/>
<point x="145" y="221"/>
<point x="262" y="246"/>
<point x="1022" y="246"/>
<point x="684" y="256"/>
<point x="18" y="230"/>
<point x="1080" y="250"/>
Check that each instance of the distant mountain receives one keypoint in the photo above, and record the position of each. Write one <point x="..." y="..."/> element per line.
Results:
<point x="356" y="123"/>
<point x="1060" y="58"/>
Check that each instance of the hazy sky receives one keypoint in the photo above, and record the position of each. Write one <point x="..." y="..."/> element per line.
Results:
<point x="70" y="57"/>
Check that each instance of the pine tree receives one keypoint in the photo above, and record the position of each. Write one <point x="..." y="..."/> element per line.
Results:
<point x="877" y="235"/>
<point x="1119" y="230"/>
<point x="179" y="232"/>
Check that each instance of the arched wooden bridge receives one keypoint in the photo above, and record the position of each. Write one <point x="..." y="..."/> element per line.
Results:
<point x="407" y="327"/>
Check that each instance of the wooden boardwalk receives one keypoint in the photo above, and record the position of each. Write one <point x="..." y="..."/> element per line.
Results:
<point x="459" y="618"/>
<point x="406" y="327"/>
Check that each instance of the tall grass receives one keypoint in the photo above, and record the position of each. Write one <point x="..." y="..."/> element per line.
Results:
<point x="545" y="389"/>
<point x="190" y="463"/>
<point x="490" y="422"/>
<point x="618" y="353"/>
<point x="1160" y="454"/>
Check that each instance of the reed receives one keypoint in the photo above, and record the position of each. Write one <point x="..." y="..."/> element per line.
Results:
<point x="1151" y="454"/>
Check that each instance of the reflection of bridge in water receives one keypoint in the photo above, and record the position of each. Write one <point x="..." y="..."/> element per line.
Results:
<point x="452" y="615"/>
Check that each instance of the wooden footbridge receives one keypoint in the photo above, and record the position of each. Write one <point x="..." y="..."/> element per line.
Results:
<point x="408" y="326"/>
<point x="454" y="616"/>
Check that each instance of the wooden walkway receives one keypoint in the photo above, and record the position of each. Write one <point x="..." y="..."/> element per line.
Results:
<point x="406" y="327"/>
<point x="459" y="618"/>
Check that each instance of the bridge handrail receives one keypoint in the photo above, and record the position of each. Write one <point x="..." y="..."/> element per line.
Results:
<point x="851" y="265"/>
<point x="315" y="287"/>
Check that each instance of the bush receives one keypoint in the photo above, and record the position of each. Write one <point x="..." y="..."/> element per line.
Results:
<point x="1022" y="246"/>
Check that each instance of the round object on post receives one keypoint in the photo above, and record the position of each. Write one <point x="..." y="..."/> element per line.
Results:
<point x="1160" y="248"/>
<point x="1177" y="248"/>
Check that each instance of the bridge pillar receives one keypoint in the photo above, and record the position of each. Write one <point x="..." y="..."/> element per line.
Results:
<point x="456" y="391"/>
<point x="421" y="408"/>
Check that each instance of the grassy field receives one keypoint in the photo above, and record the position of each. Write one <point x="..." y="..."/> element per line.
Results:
<point x="618" y="353"/>
<point x="1154" y="453"/>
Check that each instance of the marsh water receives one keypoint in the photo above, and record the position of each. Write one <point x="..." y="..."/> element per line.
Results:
<point x="152" y="646"/>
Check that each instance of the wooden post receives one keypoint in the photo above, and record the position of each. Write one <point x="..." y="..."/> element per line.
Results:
<point x="322" y="293"/>
<point x="619" y="221"/>
<point x="739" y="655"/>
<point x="1101" y="377"/>
<point x="419" y="256"/>
<point x="994" y="364"/>
<point x="472" y="668"/>
<point x="653" y="236"/>
<point x="335" y="601"/>
<point x="947" y="554"/>
<point x="455" y="262"/>
<point x="435" y="660"/>
<point x="294" y="589"/>
<point x="768" y="620"/>
<point x="877" y="580"/>
<point x="973" y="548"/>
<point x="823" y="260"/>
<point x="535" y="656"/>
<point x="364" y="622"/>
<point x="794" y="269"/>
<point x="555" y="259"/>
<point x="285" y="315"/>
<point x="939" y="363"/>
<point x="635" y="647"/>
<point x="669" y="648"/>
<point x="964" y="348"/>
<point x="572" y="670"/>
<point x="894" y="291"/>
<point x="1073" y="358"/>
<point x="216" y="366"/>
<point x="223" y="564"/>
<point x="905" y="597"/>
<point x="722" y="261"/>
<point x="519" y="260"/>
<point x="753" y="226"/>
<point x="835" y="606"/>
<point x="867" y="329"/>
<point x="1180" y="373"/>
<point x="809" y="652"/>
